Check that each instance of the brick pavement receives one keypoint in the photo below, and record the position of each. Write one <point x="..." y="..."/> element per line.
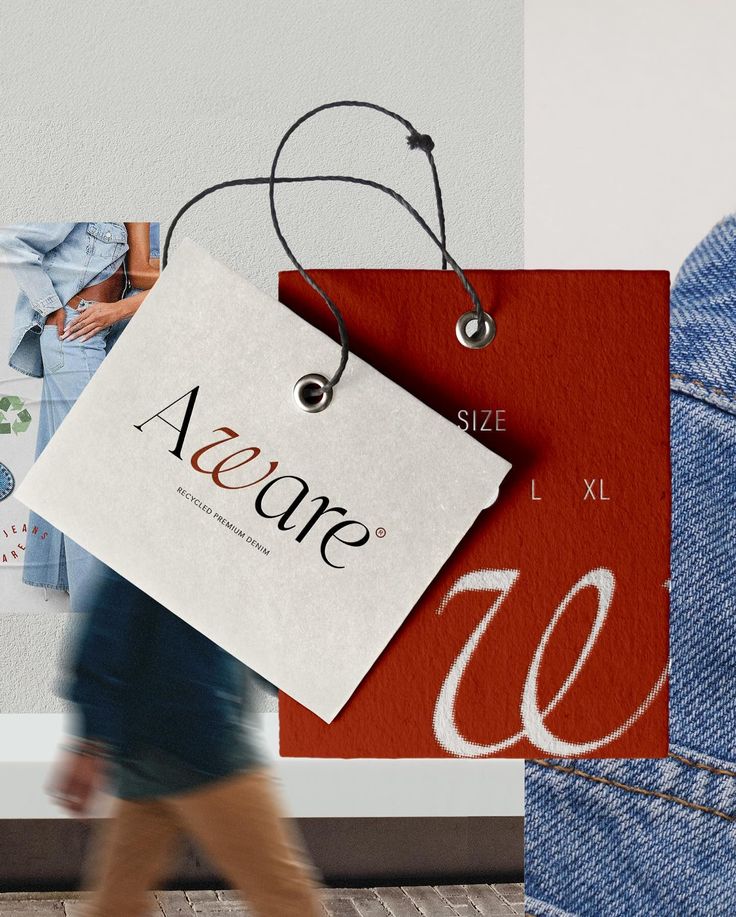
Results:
<point x="408" y="901"/>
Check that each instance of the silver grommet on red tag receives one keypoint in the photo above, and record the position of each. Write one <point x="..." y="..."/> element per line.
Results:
<point x="470" y="335"/>
<point x="312" y="393"/>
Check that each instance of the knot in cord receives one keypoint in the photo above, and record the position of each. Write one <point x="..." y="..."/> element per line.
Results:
<point x="420" y="142"/>
<point x="416" y="141"/>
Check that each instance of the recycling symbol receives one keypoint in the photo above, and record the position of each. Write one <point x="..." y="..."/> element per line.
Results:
<point x="14" y="416"/>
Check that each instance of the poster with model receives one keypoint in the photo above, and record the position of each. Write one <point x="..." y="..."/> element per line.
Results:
<point x="67" y="291"/>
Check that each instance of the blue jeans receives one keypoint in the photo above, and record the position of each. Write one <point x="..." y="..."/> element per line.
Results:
<point x="658" y="838"/>
<point x="55" y="561"/>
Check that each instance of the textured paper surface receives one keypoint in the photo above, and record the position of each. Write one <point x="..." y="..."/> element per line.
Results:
<point x="402" y="475"/>
<point x="545" y="634"/>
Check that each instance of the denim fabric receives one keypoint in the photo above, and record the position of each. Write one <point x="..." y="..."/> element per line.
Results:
<point x="52" y="262"/>
<point x="56" y="562"/>
<point x="703" y="348"/>
<point x="658" y="838"/>
<point x="154" y="242"/>
<point x="597" y="849"/>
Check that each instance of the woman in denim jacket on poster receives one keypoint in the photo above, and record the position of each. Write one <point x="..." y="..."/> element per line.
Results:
<point x="75" y="299"/>
<point x="657" y="838"/>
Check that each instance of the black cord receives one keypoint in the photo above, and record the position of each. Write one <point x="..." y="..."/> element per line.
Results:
<point x="415" y="140"/>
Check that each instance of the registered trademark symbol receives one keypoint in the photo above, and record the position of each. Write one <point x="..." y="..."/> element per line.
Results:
<point x="381" y="533"/>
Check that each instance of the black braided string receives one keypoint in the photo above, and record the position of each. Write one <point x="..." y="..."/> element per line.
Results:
<point x="415" y="140"/>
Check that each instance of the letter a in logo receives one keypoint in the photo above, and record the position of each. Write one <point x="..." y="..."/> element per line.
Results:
<point x="182" y="430"/>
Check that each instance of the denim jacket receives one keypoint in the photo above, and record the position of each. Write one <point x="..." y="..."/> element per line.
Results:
<point x="657" y="838"/>
<point x="52" y="262"/>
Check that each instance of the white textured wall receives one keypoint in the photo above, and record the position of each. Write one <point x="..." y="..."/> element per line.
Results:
<point x="127" y="109"/>
<point x="122" y="111"/>
<point x="630" y="141"/>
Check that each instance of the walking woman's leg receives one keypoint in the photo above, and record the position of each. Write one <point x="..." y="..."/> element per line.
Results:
<point x="240" y="824"/>
<point x="131" y="858"/>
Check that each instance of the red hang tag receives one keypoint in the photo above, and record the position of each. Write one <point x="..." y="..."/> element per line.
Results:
<point x="546" y="632"/>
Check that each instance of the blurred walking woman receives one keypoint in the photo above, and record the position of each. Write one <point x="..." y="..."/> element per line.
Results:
<point x="165" y="722"/>
<point x="79" y="283"/>
<point x="163" y="714"/>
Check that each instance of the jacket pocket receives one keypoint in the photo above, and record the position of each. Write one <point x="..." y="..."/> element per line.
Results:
<point x="110" y="233"/>
<point x="106" y="244"/>
<point x="52" y="350"/>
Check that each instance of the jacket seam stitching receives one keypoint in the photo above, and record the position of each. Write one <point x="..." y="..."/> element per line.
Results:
<point x="24" y="371"/>
<point x="721" y="771"/>
<point x="713" y="389"/>
<point x="28" y="582"/>
<point x="642" y="791"/>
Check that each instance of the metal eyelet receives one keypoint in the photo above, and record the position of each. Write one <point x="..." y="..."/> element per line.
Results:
<point x="304" y="393"/>
<point x="476" y="340"/>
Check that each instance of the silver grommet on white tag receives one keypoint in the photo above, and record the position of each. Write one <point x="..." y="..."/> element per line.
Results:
<point x="478" y="338"/>
<point x="311" y="393"/>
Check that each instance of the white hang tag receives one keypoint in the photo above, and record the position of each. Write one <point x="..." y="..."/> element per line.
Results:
<point x="298" y="542"/>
